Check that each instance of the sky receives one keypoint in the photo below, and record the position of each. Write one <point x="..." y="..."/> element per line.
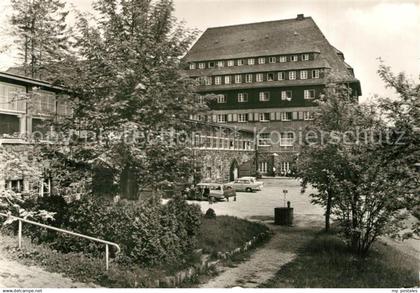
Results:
<point x="363" y="30"/>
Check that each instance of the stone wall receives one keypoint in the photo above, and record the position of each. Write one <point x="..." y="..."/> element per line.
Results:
<point x="18" y="162"/>
<point x="218" y="165"/>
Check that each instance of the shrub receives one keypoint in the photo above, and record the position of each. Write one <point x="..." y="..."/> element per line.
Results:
<point x="210" y="214"/>
<point x="148" y="233"/>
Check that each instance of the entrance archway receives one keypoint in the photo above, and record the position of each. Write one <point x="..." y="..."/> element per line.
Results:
<point x="234" y="170"/>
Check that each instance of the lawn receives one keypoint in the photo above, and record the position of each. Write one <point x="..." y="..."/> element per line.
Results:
<point x="325" y="262"/>
<point x="225" y="233"/>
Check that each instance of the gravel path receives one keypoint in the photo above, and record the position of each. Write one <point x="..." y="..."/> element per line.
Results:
<point x="267" y="260"/>
<point x="17" y="275"/>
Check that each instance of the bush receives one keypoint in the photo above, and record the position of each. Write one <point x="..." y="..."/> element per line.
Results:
<point x="210" y="214"/>
<point x="148" y="233"/>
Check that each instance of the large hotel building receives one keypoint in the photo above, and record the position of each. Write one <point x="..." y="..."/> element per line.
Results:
<point x="265" y="77"/>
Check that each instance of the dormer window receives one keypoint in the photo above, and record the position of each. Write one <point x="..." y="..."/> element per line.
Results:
<point x="283" y="59"/>
<point x="227" y="79"/>
<point x="220" y="64"/>
<point x="217" y="80"/>
<point x="292" y="75"/>
<point x="270" y="76"/>
<point x="261" y="60"/>
<point x="240" y="62"/>
<point x="294" y="58"/>
<point x="260" y="77"/>
<point x="211" y="64"/>
<point x="192" y="66"/>
<point x="207" y="80"/>
<point x="303" y="74"/>
<point x="315" y="73"/>
<point x="305" y="57"/>
<point x="238" y="78"/>
<point x="230" y="63"/>
<point x="221" y="99"/>
<point x="272" y="59"/>
<point x="251" y="61"/>
<point x="201" y="65"/>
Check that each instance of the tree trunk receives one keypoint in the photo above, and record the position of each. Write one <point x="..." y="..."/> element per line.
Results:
<point x="328" y="211"/>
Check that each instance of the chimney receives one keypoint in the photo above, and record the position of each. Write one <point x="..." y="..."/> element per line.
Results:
<point x="300" y="17"/>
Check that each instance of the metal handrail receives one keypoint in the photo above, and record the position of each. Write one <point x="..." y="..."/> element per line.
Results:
<point x="107" y="243"/>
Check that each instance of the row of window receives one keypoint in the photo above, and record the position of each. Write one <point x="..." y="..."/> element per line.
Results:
<point x="282" y="139"/>
<point x="14" y="98"/>
<point x="283" y="166"/>
<point x="265" y="96"/>
<point x="258" y="77"/>
<point x="250" y="61"/>
<point x="255" y="117"/>
<point x="217" y="142"/>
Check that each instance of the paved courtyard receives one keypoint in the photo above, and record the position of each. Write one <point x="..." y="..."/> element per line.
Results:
<point x="262" y="203"/>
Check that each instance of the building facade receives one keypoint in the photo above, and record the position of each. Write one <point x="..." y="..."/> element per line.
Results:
<point x="265" y="77"/>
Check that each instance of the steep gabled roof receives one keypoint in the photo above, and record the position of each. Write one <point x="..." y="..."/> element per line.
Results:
<point x="288" y="36"/>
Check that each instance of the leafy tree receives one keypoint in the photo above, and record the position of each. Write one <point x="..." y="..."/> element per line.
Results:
<point x="132" y="100"/>
<point x="41" y="34"/>
<point x="364" y="156"/>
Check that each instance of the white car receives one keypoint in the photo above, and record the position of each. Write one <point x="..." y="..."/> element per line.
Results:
<point x="248" y="184"/>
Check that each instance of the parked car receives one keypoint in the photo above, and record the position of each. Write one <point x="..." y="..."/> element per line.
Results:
<point x="247" y="184"/>
<point x="214" y="191"/>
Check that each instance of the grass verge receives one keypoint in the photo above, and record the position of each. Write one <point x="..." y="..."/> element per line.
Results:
<point x="326" y="262"/>
<point x="225" y="233"/>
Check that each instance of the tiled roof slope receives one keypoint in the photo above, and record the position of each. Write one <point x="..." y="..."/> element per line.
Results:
<point x="289" y="36"/>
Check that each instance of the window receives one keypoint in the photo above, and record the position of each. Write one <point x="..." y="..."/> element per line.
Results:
<point x="294" y="58"/>
<point x="242" y="117"/>
<point x="207" y="80"/>
<point x="308" y="115"/>
<point x="200" y="99"/>
<point x="286" y="95"/>
<point x="264" y="117"/>
<point x="270" y="76"/>
<point x="192" y="66"/>
<point x="303" y="74"/>
<point x="240" y="62"/>
<point x="251" y="61"/>
<point x="286" y="116"/>
<point x="217" y="80"/>
<point x="15" y="185"/>
<point x="264" y="96"/>
<point x="280" y="76"/>
<point x="261" y="60"/>
<point x="221" y="99"/>
<point x="248" y="78"/>
<point x="315" y="73"/>
<point x="264" y="139"/>
<point x="292" y="75"/>
<point x="238" y="78"/>
<point x="211" y="64"/>
<point x="309" y="94"/>
<point x="262" y="167"/>
<point x="221" y="118"/>
<point x="283" y="59"/>
<point x="201" y="65"/>
<point x="284" y="168"/>
<point x="220" y="64"/>
<point x="230" y="63"/>
<point x="287" y="138"/>
<point x="227" y="79"/>
<point x="305" y="57"/>
<point x="242" y="97"/>
<point x="11" y="97"/>
<point x="272" y="59"/>
<point x="259" y="77"/>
